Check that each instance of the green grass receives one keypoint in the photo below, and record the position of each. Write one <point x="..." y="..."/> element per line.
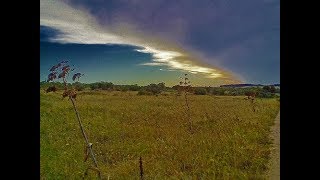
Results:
<point x="230" y="141"/>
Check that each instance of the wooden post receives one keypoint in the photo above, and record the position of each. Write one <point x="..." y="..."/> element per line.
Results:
<point x="141" y="168"/>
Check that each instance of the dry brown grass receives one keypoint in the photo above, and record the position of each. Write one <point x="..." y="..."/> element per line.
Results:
<point x="230" y="140"/>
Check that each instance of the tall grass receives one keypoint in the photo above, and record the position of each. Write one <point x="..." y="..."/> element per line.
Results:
<point x="231" y="142"/>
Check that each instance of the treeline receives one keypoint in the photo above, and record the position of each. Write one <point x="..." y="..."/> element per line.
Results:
<point x="92" y="86"/>
<point x="262" y="92"/>
<point x="154" y="89"/>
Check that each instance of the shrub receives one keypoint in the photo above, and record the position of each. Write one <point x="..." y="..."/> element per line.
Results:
<point x="124" y="88"/>
<point x="51" y="89"/>
<point x="155" y="88"/>
<point x="264" y="94"/>
<point x="272" y="89"/>
<point x="226" y="93"/>
<point x="266" y="88"/>
<point x="94" y="86"/>
<point x="250" y="93"/>
<point x="217" y="91"/>
<point x="200" y="91"/>
<point x="134" y="87"/>
<point x="79" y="86"/>
<point x="101" y="85"/>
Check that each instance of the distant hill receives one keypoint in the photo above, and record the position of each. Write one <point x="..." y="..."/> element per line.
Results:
<point x="248" y="85"/>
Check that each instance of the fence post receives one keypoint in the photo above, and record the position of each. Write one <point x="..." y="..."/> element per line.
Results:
<point x="141" y="168"/>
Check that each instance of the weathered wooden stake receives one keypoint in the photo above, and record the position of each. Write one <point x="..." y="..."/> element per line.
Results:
<point x="141" y="168"/>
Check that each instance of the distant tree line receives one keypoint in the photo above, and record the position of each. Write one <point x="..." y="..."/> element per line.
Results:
<point x="264" y="92"/>
<point x="155" y="89"/>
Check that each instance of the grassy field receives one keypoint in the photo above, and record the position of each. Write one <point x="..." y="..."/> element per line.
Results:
<point x="230" y="140"/>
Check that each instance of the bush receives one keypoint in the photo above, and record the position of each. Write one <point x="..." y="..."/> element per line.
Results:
<point x="217" y="91"/>
<point x="264" y="94"/>
<point x="79" y="86"/>
<point x="272" y="89"/>
<point x="51" y="89"/>
<point x="200" y="91"/>
<point x="250" y="93"/>
<point x="155" y="88"/>
<point x="102" y="85"/>
<point x="266" y="88"/>
<point x="124" y="89"/>
<point x="226" y="93"/>
<point x="106" y="85"/>
<point x="134" y="87"/>
<point x="94" y="86"/>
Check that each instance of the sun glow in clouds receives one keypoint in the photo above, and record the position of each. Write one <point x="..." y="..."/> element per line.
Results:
<point x="169" y="58"/>
<point x="77" y="26"/>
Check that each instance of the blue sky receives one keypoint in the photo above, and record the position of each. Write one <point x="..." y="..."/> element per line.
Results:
<point x="119" y="64"/>
<point x="140" y="41"/>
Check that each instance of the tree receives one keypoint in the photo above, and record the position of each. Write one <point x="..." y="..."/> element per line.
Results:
<point x="272" y="89"/>
<point x="106" y="85"/>
<point x="200" y="91"/>
<point x="155" y="88"/>
<point x="79" y="86"/>
<point x="266" y="88"/>
<point x="134" y="87"/>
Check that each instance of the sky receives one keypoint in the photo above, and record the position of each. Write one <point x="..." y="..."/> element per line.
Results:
<point x="141" y="41"/>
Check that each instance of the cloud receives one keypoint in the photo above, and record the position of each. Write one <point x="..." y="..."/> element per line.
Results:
<point x="153" y="64"/>
<point x="78" y="26"/>
<point x="171" y="59"/>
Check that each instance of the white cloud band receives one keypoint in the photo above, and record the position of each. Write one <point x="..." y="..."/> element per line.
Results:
<point x="80" y="27"/>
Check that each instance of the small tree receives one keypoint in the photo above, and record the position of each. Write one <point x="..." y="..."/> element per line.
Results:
<point x="79" y="86"/>
<point x="155" y="88"/>
<point x="200" y="91"/>
<point x="134" y="87"/>
<point x="63" y="70"/>
<point x="266" y="88"/>
<point x="93" y="86"/>
<point x="272" y="89"/>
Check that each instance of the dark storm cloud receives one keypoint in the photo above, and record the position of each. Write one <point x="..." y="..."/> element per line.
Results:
<point x="224" y="31"/>
<point x="218" y="22"/>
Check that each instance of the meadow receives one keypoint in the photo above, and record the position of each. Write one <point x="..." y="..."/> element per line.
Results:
<point x="230" y="141"/>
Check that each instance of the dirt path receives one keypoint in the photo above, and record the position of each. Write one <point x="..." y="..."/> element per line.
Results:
<point x="274" y="163"/>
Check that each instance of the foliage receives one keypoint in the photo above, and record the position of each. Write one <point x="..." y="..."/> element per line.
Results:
<point x="134" y="87"/>
<point x="51" y="89"/>
<point x="79" y="86"/>
<point x="200" y="91"/>
<point x="101" y="85"/>
<point x="153" y="89"/>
